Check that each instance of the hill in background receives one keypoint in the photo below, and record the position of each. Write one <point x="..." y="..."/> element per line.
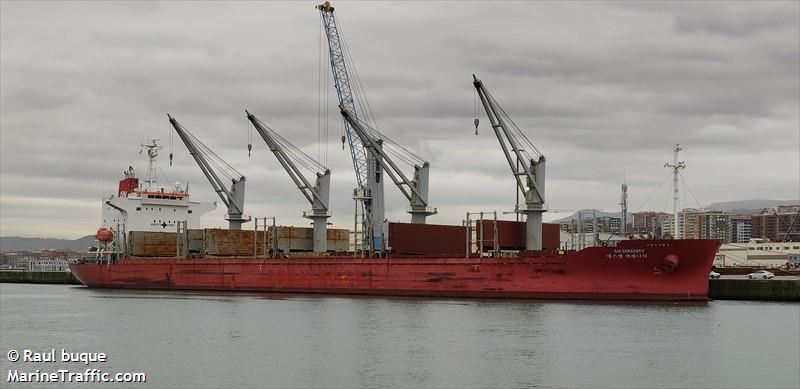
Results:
<point x="748" y="207"/>
<point x="16" y="243"/>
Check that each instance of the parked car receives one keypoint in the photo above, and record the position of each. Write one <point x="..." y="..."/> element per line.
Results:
<point x="713" y="275"/>
<point x="760" y="274"/>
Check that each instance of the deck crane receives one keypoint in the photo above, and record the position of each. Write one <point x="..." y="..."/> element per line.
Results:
<point x="212" y="166"/>
<point x="369" y="159"/>
<point x="369" y="175"/>
<point x="531" y="168"/>
<point x="317" y="195"/>
<point x="416" y="190"/>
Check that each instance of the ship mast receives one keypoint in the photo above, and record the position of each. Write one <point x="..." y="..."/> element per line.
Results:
<point x="152" y="153"/>
<point x="676" y="167"/>
<point x="624" y="208"/>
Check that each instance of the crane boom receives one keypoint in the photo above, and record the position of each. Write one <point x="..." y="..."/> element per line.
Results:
<point x="416" y="190"/>
<point x="318" y="194"/>
<point x="531" y="169"/>
<point x="233" y="197"/>
<point x="369" y="174"/>
<point x="344" y="90"/>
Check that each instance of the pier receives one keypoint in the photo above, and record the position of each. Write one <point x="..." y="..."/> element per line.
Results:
<point x="37" y="277"/>
<point x="778" y="289"/>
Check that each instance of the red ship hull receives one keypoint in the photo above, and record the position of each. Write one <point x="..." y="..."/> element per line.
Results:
<point x="634" y="270"/>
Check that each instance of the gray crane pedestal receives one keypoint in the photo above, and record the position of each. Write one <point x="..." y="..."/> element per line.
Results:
<point x="533" y="227"/>
<point x="235" y="221"/>
<point x="419" y="215"/>
<point x="320" y="223"/>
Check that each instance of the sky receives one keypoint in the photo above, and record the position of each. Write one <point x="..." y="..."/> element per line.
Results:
<point x="603" y="89"/>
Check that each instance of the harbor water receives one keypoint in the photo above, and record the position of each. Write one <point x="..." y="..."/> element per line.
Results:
<point x="210" y="340"/>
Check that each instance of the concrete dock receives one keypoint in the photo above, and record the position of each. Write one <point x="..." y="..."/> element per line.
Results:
<point x="37" y="277"/>
<point x="740" y="288"/>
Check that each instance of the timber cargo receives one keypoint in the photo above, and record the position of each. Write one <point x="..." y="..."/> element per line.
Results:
<point x="222" y="242"/>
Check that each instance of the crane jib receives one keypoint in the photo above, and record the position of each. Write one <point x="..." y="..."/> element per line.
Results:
<point x="344" y="89"/>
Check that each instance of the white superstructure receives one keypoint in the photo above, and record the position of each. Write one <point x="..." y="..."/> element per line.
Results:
<point x="151" y="206"/>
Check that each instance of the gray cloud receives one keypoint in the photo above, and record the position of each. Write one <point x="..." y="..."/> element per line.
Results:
<point x="737" y="21"/>
<point x="601" y="88"/>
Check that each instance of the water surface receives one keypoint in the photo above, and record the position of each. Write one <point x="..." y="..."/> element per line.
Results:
<point x="207" y="340"/>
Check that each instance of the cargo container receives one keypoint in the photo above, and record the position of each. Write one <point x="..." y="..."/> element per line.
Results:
<point x="511" y="235"/>
<point x="418" y="239"/>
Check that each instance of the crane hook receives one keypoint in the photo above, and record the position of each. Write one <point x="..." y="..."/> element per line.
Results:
<point x="476" y="125"/>
<point x="249" y="147"/>
<point x="170" y="159"/>
<point x="343" y="139"/>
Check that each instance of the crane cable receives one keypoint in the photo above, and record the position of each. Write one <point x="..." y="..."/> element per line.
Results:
<point x="477" y="121"/>
<point x="361" y="96"/>
<point x="654" y="192"/>
<point x="685" y="184"/>
<point x="170" y="149"/>
<point x="326" y="104"/>
<point x="249" y="139"/>
<point x="319" y="89"/>
<point x="367" y="114"/>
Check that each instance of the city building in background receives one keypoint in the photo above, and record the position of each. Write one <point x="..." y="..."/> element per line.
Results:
<point x="605" y="224"/>
<point x="608" y="224"/>
<point x="704" y="224"/>
<point x="40" y="260"/>
<point x="740" y="228"/>
<point x="651" y="222"/>
<point x="777" y="224"/>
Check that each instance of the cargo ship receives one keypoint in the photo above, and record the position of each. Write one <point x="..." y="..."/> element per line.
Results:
<point x="634" y="270"/>
<point x="419" y="260"/>
<point x="482" y="258"/>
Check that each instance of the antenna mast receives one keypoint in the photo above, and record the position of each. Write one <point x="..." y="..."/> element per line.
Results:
<point x="624" y="204"/>
<point x="676" y="167"/>
<point x="152" y="147"/>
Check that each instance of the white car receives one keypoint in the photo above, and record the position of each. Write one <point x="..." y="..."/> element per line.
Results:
<point x="713" y="275"/>
<point x="763" y="274"/>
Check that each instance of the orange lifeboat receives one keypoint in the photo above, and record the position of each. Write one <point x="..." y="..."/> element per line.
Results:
<point x="104" y="235"/>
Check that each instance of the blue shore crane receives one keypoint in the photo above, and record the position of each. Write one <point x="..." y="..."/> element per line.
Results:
<point x="369" y="175"/>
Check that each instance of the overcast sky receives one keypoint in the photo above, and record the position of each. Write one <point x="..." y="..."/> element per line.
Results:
<point x="602" y="89"/>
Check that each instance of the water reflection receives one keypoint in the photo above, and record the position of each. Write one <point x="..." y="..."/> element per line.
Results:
<point x="202" y="339"/>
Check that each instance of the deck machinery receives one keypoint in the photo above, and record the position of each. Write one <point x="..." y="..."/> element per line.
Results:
<point x="370" y="160"/>
<point x="318" y="194"/>
<point x="528" y="169"/>
<point x="212" y="166"/>
<point x="416" y="189"/>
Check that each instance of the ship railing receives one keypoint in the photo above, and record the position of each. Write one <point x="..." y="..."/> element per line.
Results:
<point x="476" y="243"/>
<point x="425" y="209"/>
